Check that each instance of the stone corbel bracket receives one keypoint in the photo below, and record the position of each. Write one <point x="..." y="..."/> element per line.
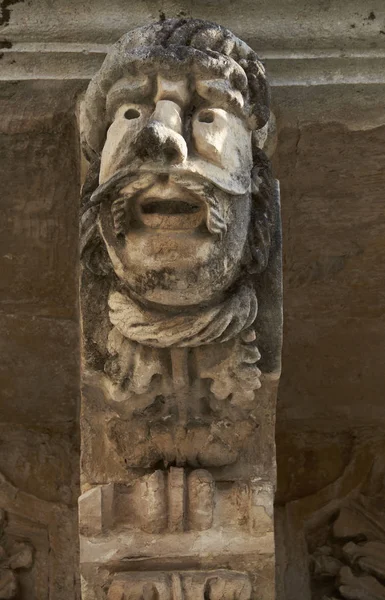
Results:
<point x="181" y="319"/>
<point x="80" y="61"/>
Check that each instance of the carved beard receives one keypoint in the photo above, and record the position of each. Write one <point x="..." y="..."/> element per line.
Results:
<point x="139" y="337"/>
<point x="263" y="189"/>
<point x="205" y="192"/>
<point x="154" y="327"/>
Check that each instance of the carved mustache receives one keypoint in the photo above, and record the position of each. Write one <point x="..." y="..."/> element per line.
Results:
<point x="134" y="182"/>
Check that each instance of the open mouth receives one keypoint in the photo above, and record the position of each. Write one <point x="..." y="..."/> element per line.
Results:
<point x="168" y="207"/>
<point x="167" y="210"/>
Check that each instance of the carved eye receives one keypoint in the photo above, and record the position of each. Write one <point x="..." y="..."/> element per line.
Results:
<point x="131" y="113"/>
<point x="206" y="116"/>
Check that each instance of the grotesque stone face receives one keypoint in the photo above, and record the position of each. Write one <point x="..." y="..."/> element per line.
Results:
<point x="170" y="118"/>
<point x="176" y="232"/>
<point x="177" y="213"/>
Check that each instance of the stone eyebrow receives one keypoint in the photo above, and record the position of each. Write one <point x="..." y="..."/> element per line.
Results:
<point x="128" y="89"/>
<point x="220" y="91"/>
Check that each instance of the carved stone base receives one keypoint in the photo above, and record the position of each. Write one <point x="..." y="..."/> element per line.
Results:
<point x="173" y="519"/>
<point x="188" y="585"/>
<point x="216" y="584"/>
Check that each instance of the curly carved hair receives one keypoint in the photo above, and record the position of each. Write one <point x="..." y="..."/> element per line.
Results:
<point x="176" y="45"/>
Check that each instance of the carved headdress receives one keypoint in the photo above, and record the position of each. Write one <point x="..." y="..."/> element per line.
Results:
<point x="173" y="46"/>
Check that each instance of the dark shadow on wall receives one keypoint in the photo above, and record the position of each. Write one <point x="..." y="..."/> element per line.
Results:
<point x="39" y="369"/>
<point x="330" y="415"/>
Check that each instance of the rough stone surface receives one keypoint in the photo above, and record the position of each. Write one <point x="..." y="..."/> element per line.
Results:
<point x="330" y="416"/>
<point x="39" y="369"/>
<point x="336" y="263"/>
<point x="38" y="305"/>
<point x="303" y="43"/>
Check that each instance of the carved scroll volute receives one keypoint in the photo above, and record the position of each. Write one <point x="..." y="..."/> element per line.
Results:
<point x="180" y="291"/>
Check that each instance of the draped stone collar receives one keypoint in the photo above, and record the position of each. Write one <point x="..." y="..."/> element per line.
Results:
<point x="161" y="329"/>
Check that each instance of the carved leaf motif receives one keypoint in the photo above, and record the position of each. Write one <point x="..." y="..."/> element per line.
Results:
<point x="13" y="556"/>
<point x="217" y="585"/>
<point x="21" y="556"/>
<point x="354" y="587"/>
<point x="237" y="374"/>
<point x="219" y="588"/>
<point x="325" y="565"/>
<point x="361" y="574"/>
<point x="370" y="557"/>
<point x="132" y="365"/>
<point x="8" y="584"/>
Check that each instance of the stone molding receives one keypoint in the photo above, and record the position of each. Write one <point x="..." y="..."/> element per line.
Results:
<point x="62" y="61"/>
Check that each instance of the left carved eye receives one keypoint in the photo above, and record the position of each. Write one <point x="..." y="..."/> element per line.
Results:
<point x="131" y="113"/>
<point x="206" y="116"/>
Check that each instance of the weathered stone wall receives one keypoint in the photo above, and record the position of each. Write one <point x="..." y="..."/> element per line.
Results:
<point x="330" y="442"/>
<point x="39" y="370"/>
<point x="329" y="159"/>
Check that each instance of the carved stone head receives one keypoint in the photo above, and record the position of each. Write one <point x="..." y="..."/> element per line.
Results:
<point x="180" y="188"/>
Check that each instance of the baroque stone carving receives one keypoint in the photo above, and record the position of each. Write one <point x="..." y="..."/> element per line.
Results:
<point x="37" y="557"/>
<point x="332" y="538"/>
<point x="180" y="292"/>
<point x="352" y="562"/>
<point x="14" y="555"/>
<point x="184" y="212"/>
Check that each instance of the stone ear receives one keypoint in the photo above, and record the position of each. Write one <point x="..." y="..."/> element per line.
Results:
<point x="92" y="249"/>
<point x="95" y="257"/>
<point x="266" y="137"/>
<point x="261" y="222"/>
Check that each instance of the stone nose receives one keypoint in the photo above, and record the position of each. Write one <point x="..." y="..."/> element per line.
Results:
<point x="162" y="139"/>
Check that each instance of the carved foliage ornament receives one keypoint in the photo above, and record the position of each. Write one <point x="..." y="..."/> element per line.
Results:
<point x="215" y="585"/>
<point x="15" y="556"/>
<point x="351" y="564"/>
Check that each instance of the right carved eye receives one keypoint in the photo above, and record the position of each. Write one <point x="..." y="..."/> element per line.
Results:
<point x="206" y="116"/>
<point x="131" y="113"/>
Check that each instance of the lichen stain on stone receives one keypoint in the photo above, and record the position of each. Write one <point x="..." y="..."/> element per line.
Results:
<point x="5" y="12"/>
